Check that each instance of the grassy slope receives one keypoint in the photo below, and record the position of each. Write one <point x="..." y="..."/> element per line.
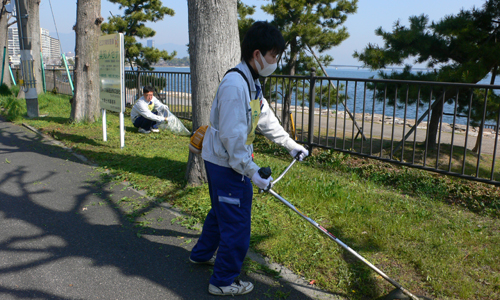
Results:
<point x="436" y="235"/>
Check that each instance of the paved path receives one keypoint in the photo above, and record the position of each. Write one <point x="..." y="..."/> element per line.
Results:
<point x="63" y="237"/>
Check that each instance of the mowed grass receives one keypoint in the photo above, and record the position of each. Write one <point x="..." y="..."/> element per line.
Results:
<point x="438" y="236"/>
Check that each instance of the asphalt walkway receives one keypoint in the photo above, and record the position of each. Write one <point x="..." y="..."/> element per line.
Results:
<point x="62" y="236"/>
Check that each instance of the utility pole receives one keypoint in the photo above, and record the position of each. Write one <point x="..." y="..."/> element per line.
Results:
<point x="29" y="82"/>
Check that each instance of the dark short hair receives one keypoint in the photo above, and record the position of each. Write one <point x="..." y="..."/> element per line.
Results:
<point x="264" y="37"/>
<point x="147" y="89"/>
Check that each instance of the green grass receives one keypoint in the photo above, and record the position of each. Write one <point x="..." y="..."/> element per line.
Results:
<point x="436" y="235"/>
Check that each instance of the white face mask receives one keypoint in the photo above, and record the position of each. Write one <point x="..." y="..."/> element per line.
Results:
<point x="267" y="69"/>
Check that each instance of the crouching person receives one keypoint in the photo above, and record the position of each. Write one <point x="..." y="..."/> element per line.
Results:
<point x="145" y="113"/>
<point x="237" y="110"/>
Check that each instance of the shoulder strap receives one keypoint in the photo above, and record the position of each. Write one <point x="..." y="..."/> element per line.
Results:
<point x="244" y="77"/>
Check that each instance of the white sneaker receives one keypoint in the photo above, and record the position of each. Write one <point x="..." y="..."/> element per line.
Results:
<point x="155" y="130"/>
<point x="210" y="262"/>
<point x="236" y="288"/>
<point x="142" y="130"/>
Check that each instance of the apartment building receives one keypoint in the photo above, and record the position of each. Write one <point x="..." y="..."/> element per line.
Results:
<point x="51" y="47"/>
<point x="13" y="44"/>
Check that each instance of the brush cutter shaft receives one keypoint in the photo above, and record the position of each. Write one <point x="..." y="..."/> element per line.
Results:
<point x="322" y="229"/>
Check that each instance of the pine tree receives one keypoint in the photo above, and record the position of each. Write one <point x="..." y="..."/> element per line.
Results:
<point x="308" y="25"/>
<point x="210" y="57"/>
<point x="85" y="104"/>
<point x="133" y="25"/>
<point x="244" y="23"/>
<point x="465" y="47"/>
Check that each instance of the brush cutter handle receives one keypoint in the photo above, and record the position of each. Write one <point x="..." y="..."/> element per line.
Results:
<point x="297" y="156"/>
<point x="286" y="170"/>
<point x="265" y="173"/>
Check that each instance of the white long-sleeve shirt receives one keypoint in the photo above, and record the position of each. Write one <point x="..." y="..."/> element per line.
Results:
<point x="224" y="143"/>
<point x="141" y="108"/>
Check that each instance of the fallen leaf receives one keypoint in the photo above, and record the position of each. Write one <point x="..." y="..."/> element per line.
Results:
<point x="312" y="282"/>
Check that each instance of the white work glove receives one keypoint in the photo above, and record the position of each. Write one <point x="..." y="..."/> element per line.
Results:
<point x="303" y="152"/>
<point x="260" y="182"/>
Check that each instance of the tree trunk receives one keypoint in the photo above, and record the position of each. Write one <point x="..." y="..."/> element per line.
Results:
<point x="434" y="124"/>
<point x="33" y="27"/>
<point x="479" y="138"/>
<point x="213" y="49"/>
<point x="481" y="127"/>
<point x="85" y="105"/>
<point x="287" y="100"/>
<point x="4" y="43"/>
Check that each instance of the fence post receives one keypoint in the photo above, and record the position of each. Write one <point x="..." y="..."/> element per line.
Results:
<point x="312" y="102"/>
<point x="138" y="91"/>
<point x="55" y="82"/>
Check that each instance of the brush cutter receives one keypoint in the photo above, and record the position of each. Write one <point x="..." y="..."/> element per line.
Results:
<point x="399" y="293"/>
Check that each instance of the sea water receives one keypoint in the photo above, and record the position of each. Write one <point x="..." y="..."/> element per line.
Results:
<point x="369" y="106"/>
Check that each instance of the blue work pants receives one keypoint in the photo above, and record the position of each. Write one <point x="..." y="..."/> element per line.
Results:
<point x="144" y="123"/>
<point x="227" y="226"/>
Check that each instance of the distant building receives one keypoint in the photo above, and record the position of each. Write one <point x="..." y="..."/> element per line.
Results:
<point x="13" y="41"/>
<point x="51" y="47"/>
<point x="55" y="49"/>
<point x="45" y="41"/>
<point x="151" y="43"/>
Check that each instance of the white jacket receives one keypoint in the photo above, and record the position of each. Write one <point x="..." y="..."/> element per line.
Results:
<point x="141" y="109"/>
<point x="230" y="124"/>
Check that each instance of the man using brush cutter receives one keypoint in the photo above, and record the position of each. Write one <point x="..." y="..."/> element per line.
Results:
<point x="238" y="109"/>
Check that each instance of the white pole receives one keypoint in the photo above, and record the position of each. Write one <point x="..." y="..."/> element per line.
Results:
<point x="104" y="133"/>
<point x="122" y="131"/>
<point x="122" y="96"/>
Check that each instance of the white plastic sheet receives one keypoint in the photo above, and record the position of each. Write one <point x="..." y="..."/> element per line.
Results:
<point x="173" y="123"/>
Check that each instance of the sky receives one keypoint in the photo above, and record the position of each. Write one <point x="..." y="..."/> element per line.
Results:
<point x="172" y="32"/>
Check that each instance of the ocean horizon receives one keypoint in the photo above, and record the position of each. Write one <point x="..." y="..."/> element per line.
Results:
<point x="370" y="107"/>
<point x="344" y="72"/>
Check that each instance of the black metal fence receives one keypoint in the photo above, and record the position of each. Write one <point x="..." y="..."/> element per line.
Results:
<point x="433" y="126"/>
<point x="447" y="128"/>
<point x="173" y="88"/>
